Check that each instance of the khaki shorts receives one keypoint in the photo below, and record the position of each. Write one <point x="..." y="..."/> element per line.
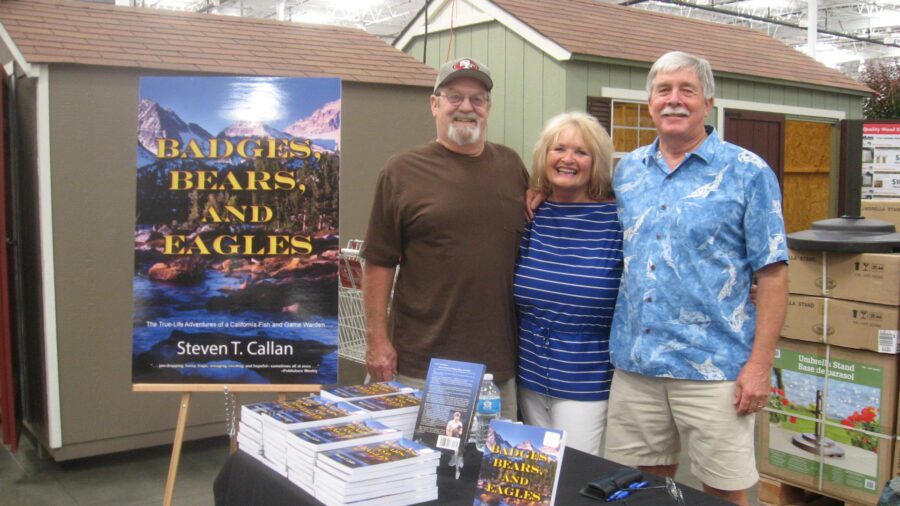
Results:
<point x="649" y="416"/>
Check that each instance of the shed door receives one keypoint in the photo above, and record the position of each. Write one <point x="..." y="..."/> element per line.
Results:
<point x="7" y="384"/>
<point x="760" y="132"/>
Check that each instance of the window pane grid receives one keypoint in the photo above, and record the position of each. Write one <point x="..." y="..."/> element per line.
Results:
<point x="631" y="127"/>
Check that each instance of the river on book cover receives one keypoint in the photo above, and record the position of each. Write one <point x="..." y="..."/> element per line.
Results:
<point x="236" y="238"/>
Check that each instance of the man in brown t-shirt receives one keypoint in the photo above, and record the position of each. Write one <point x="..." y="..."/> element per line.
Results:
<point x="450" y="213"/>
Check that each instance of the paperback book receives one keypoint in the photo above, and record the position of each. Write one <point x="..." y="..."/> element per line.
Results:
<point x="308" y="412"/>
<point x="248" y="445"/>
<point x="356" y="392"/>
<point x="388" y="405"/>
<point x="329" y="437"/>
<point x="251" y="414"/>
<point x="414" y="497"/>
<point x="359" y="462"/>
<point x="398" y="482"/>
<point x="404" y="487"/>
<point x="520" y="465"/>
<point x="387" y="473"/>
<point x="448" y="404"/>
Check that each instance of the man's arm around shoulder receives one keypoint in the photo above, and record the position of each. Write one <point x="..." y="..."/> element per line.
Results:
<point x="752" y="386"/>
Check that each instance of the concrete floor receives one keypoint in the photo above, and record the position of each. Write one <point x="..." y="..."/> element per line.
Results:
<point x="133" y="478"/>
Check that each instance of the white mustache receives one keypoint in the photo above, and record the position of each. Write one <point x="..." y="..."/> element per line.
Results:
<point x="675" y="111"/>
<point x="465" y="116"/>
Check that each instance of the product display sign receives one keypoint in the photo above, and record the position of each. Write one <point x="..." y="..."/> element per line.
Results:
<point x="881" y="160"/>
<point x="236" y="231"/>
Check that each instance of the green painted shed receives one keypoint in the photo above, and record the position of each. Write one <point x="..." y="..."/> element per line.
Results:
<point x="550" y="57"/>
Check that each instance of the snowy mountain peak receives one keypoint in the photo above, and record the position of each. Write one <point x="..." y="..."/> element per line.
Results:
<point x="255" y="129"/>
<point x="323" y="123"/>
<point x="156" y="122"/>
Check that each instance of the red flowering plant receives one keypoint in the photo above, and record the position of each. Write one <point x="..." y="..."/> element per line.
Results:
<point x="864" y="419"/>
<point x="777" y="400"/>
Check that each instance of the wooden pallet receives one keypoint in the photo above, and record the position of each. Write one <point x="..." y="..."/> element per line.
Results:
<point x="776" y="493"/>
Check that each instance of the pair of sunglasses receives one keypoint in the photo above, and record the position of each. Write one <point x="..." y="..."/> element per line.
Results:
<point x="670" y="487"/>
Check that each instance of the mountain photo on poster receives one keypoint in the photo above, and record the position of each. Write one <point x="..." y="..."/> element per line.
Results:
<point x="236" y="241"/>
<point x="520" y="465"/>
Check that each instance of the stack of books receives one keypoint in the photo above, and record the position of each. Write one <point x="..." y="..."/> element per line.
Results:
<point x="304" y="446"/>
<point x="302" y="413"/>
<point x="394" y="410"/>
<point x="387" y="473"/>
<point x="249" y="436"/>
<point x="265" y="427"/>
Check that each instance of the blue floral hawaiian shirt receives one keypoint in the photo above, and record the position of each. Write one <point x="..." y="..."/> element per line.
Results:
<point x="693" y="237"/>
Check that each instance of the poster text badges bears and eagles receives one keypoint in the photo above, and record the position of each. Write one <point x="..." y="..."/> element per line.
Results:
<point x="236" y="236"/>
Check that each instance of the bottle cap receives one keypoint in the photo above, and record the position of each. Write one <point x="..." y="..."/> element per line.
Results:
<point x="488" y="376"/>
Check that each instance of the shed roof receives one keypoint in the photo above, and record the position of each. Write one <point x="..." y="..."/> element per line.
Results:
<point x="62" y="31"/>
<point x="593" y="28"/>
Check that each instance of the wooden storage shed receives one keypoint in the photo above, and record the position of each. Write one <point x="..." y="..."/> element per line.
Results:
<point x="74" y="68"/>
<point x="549" y="57"/>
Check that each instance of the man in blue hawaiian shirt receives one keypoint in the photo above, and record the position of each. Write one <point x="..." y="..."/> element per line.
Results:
<point x="701" y="218"/>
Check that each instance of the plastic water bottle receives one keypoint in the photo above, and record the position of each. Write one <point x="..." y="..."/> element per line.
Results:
<point x="487" y="409"/>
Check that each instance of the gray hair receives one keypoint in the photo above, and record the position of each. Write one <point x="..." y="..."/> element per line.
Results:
<point x="677" y="60"/>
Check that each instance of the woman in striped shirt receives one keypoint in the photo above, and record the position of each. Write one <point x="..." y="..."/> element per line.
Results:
<point x="566" y="281"/>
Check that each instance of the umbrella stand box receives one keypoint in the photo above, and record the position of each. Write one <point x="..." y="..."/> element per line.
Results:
<point x="881" y="209"/>
<point x="833" y="434"/>
<point x="864" y="277"/>
<point x="846" y="323"/>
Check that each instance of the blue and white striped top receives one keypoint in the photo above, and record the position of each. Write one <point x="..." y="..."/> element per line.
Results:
<point x="566" y="282"/>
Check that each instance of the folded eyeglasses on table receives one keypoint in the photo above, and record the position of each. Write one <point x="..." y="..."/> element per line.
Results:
<point x="622" y="483"/>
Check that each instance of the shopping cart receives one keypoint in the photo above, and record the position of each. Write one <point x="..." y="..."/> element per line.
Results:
<point x="351" y="314"/>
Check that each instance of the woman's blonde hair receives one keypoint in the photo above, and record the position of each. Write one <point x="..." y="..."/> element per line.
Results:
<point x="597" y="142"/>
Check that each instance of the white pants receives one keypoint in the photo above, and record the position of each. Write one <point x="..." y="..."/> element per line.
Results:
<point x="583" y="421"/>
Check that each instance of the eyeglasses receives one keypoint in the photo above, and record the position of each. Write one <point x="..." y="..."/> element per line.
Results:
<point x="671" y="488"/>
<point x="674" y="491"/>
<point x="456" y="99"/>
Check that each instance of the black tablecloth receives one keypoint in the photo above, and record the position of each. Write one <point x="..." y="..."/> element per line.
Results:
<point x="245" y="481"/>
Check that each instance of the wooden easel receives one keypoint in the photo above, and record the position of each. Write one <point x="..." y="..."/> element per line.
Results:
<point x="184" y="405"/>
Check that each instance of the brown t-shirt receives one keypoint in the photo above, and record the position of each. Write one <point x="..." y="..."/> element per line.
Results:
<point x="453" y="223"/>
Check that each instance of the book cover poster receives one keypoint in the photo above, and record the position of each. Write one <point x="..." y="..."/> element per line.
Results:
<point x="520" y="465"/>
<point x="236" y="230"/>
<point x="451" y="390"/>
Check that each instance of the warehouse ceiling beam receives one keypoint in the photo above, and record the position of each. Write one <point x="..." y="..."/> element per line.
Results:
<point x="762" y="19"/>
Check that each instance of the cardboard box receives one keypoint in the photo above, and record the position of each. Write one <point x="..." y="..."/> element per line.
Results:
<point x="851" y="324"/>
<point x="881" y="209"/>
<point x="866" y="277"/>
<point x="860" y="393"/>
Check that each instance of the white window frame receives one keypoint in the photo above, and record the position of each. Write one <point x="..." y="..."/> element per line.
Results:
<point x="612" y="123"/>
